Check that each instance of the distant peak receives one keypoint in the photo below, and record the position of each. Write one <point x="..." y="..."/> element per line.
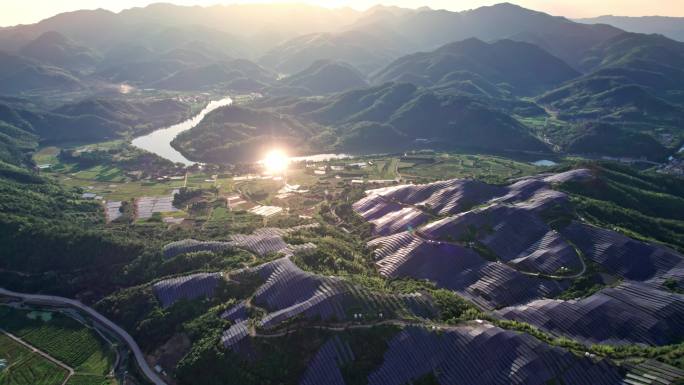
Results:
<point x="51" y="37"/>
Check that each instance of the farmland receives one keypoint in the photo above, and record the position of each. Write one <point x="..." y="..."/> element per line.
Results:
<point x="64" y="339"/>
<point x="25" y="367"/>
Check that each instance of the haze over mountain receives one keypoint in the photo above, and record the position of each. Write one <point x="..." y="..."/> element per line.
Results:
<point x="522" y="68"/>
<point x="672" y="27"/>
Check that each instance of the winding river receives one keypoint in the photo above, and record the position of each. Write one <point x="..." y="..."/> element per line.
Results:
<point x="159" y="141"/>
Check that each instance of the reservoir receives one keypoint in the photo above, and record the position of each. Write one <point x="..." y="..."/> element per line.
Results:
<point x="159" y="141"/>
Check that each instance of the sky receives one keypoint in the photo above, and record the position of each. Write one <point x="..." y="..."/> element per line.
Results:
<point x="14" y="12"/>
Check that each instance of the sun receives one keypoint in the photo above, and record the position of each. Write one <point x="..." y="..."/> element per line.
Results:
<point x="276" y="161"/>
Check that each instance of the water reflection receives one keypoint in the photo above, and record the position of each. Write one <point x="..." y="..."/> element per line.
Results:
<point x="159" y="142"/>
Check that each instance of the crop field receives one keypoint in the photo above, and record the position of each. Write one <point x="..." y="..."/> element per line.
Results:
<point x="61" y="337"/>
<point x="46" y="155"/>
<point x="25" y="367"/>
<point x="383" y="169"/>
<point x="489" y="169"/>
<point x="89" y="379"/>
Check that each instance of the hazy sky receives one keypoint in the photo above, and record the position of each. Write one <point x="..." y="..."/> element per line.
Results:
<point x="30" y="11"/>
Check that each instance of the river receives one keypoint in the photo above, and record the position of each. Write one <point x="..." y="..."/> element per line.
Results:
<point x="159" y="141"/>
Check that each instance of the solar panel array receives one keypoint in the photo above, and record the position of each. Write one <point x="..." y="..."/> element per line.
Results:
<point x="289" y="291"/>
<point x="262" y="241"/>
<point x="622" y="255"/>
<point x="234" y="337"/>
<point x="459" y="268"/>
<point x="507" y="226"/>
<point x="324" y="368"/>
<point x="389" y="217"/>
<point x="444" y="197"/>
<point x="629" y="313"/>
<point x="112" y="210"/>
<point x="482" y="355"/>
<point x="191" y="245"/>
<point x="576" y="175"/>
<point x="236" y="313"/>
<point x="169" y="291"/>
<point x="146" y="206"/>
<point x="509" y="231"/>
<point x="548" y="255"/>
<point x="653" y="372"/>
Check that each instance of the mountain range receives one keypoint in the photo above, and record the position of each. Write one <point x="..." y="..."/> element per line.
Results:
<point x="672" y="27"/>
<point x="538" y="76"/>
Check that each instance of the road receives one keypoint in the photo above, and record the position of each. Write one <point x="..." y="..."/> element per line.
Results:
<point x="111" y="326"/>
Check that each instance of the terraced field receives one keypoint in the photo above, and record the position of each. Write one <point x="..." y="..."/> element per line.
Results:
<point x="61" y="337"/>
<point x="24" y="367"/>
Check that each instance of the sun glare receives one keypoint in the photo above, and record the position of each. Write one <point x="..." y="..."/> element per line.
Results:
<point x="276" y="161"/>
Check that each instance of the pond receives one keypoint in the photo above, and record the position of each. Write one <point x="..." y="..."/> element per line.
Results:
<point x="544" y="163"/>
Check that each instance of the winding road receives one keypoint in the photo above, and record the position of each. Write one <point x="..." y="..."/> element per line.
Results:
<point x="52" y="300"/>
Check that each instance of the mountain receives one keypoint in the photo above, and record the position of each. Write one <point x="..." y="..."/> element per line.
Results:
<point x="426" y="29"/>
<point x="16" y="145"/>
<point x="88" y="120"/>
<point x="220" y="74"/>
<point x="392" y="117"/>
<point x="636" y="50"/>
<point x="523" y="68"/>
<point x="672" y="27"/>
<point x="420" y="116"/>
<point x="608" y="97"/>
<point x="639" y="78"/>
<point x="168" y="24"/>
<point x="368" y="40"/>
<point x="601" y="139"/>
<point x="55" y="49"/>
<point x="364" y="51"/>
<point x="19" y="74"/>
<point x="325" y="76"/>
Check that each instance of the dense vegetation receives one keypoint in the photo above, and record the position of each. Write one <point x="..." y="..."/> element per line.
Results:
<point x="643" y="205"/>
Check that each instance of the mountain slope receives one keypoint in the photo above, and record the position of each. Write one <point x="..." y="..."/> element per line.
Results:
<point x="215" y="75"/>
<point x="18" y="74"/>
<point x="639" y="77"/>
<point x="408" y="117"/>
<point x="325" y="76"/>
<point x="55" y="49"/>
<point x="672" y="27"/>
<point x="524" y="68"/>
<point x="426" y="29"/>
<point x="365" y="51"/>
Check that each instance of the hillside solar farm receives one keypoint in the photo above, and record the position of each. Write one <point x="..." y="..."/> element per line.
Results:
<point x="492" y="283"/>
<point x="478" y="275"/>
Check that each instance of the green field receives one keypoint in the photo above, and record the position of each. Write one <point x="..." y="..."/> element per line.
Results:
<point x="62" y="338"/>
<point x="490" y="169"/>
<point x="25" y="367"/>
<point x="89" y="379"/>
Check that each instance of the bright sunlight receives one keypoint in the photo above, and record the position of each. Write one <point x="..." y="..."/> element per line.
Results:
<point x="276" y="161"/>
